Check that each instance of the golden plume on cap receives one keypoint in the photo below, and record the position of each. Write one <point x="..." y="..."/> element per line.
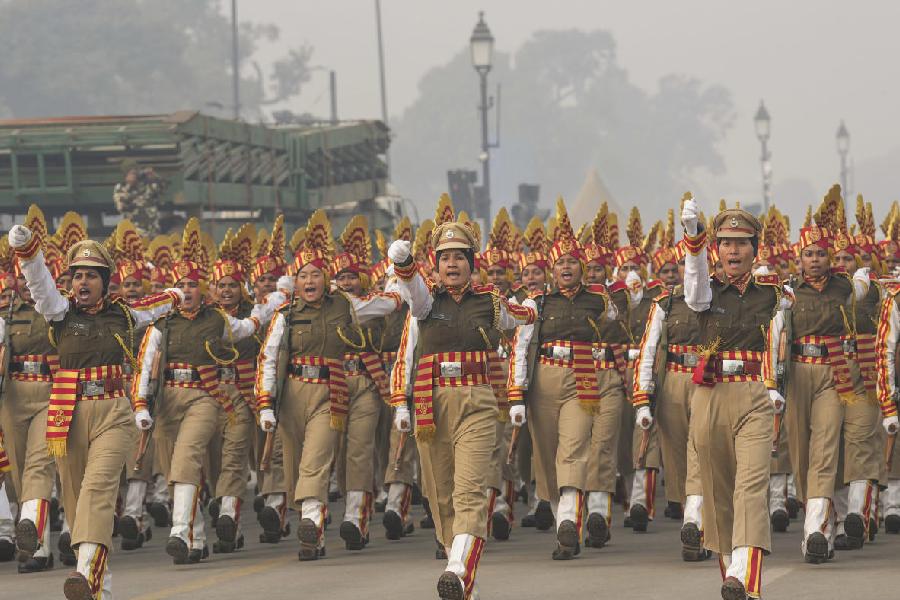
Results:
<point x="72" y="230"/>
<point x="318" y="234"/>
<point x="7" y="255"/>
<point x="355" y="239"/>
<point x="128" y="243"/>
<point x="444" y="212"/>
<point x="535" y="236"/>
<point x="262" y="244"/>
<point x="563" y="228"/>
<point x="297" y="239"/>
<point x="159" y="252"/>
<point x="422" y="243"/>
<point x="830" y="214"/>
<point x="864" y="217"/>
<point x="403" y="230"/>
<point x="191" y="242"/>
<point x="381" y="243"/>
<point x="276" y="240"/>
<point x="35" y="221"/>
<point x="501" y="233"/>
<point x="473" y="226"/>
<point x="635" y="230"/>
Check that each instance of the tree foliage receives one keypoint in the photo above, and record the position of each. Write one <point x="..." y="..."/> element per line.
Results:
<point x="133" y="56"/>
<point x="567" y="106"/>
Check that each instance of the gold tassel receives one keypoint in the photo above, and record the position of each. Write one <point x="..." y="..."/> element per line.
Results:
<point x="425" y="433"/>
<point x="56" y="448"/>
<point x="503" y="415"/>
<point x="337" y="422"/>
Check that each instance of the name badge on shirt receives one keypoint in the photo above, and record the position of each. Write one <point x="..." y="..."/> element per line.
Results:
<point x="440" y="316"/>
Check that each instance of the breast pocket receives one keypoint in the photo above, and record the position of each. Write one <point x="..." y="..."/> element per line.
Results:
<point x="301" y="333"/>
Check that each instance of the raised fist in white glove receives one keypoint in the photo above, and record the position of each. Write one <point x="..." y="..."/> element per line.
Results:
<point x="643" y="418"/>
<point x="891" y="425"/>
<point x="19" y="235"/>
<point x="777" y="401"/>
<point x="689" y="216"/>
<point x="633" y="282"/>
<point x="402" y="420"/>
<point x="267" y="419"/>
<point x="177" y="292"/>
<point x="143" y="420"/>
<point x="517" y="414"/>
<point x="399" y="251"/>
<point x="285" y="285"/>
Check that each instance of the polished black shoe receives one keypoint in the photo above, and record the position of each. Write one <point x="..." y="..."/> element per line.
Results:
<point x="733" y="589"/>
<point x="567" y="537"/>
<point x="817" y="550"/>
<point x="873" y="528"/>
<point x="380" y="505"/>
<point x="66" y="554"/>
<point x="258" y="503"/>
<point x="440" y="553"/>
<point x="160" y="514"/>
<point x="226" y="529"/>
<point x="27" y="537"/>
<point x="522" y="494"/>
<point x="353" y="538"/>
<point x="416" y="499"/>
<point x="308" y="534"/>
<point x="543" y="516"/>
<point x="640" y="518"/>
<point x="55" y="519"/>
<point x="270" y="520"/>
<point x="500" y="527"/>
<point x="673" y="511"/>
<point x="214" y="508"/>
<point x="7" y="550"/>
<point x="133" y="544"/>
<point x="598" y="531"/>
<point x="692" y="549"/>
<point x="408" y="529"/>
<point x="565" y="553"/>
<point x="128" y="528"/>
<point x="334" y="496"/>
<point x="793" y="507"/>
<point x="178" y="550"/>
<point x="393" y="525"/>
<point x="36" y="564"/>
<point x="268" y="537"/>
<point x="528" y="521"/>
<point x="76" y="587"/>
<point x="892" y="524"/>
<point x="855" y="528"/>
<point x="450" y="587"/>
<point x="627" y="523"/>
<point x="426" y="523"/>
<point x="780" y="521"/>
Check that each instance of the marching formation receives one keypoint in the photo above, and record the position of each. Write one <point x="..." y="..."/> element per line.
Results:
<point x="147" y="381"/>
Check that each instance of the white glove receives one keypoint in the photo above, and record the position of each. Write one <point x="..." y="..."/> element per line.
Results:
<point x="891" y="424"/>
<point x="177" y="292"/>
<point x="643" y="418"/>
<point x="633" y="282"/>
<point x="285" y="285"/>
<point x="862" y="274"/>
<point x="777" y="401"/>
<point x="143" y="420"/>
<point x="399" y="251"/>
<point x="19" y="235"/>
<point x="267" y="419"/>
<point x="517" y="414"/>
<point x="402" y="420"/>
<point x="689" y="216"/>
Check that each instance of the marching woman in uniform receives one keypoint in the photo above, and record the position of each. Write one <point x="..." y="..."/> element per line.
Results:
<point x="89" y="421"/>
<point x="181" y="358"/>
<point x="561" y="383"/>
<point x="734" y="394"/>
<point x="29" y="361"/>
<point x="455" y="407"/>
<point x="301" y="375"/>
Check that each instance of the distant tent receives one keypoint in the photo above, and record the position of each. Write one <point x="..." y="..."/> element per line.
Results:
<point x="592" y="194"/>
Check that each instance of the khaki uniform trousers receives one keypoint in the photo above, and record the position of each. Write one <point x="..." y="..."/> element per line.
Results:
<point x="455" y="461"/>
<point x="560" y="431"/>
<point x="408" y="457"/>
<point x="731" y="429"/>
<point x="383" y="455"/>
<point x="145" y="473"/>
<point x="813" y="416"/>
<point x="272" y="480"/>
<point x="356" y="455"/>
<point x="607" y="425"/>
<point x="781" y="464"/>
<point x="229" y="449"/>
<point x="500" y="471"/>
<point x="524" y="454"/>
<point x="863" y="447"/>
<point x="23" y="419"/>
<point x="672" y="422"/>
<point x="626" y="455"/>
<point x="187" y="420"/>
<point x="308" y="440"/>
<point x="99" y="436"/>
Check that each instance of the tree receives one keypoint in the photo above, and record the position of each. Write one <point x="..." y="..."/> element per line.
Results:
<point x="567" y="106"/>
<point x="133" y="56"/>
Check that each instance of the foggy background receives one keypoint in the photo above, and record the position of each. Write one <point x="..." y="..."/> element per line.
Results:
<point x="657" y="97"/>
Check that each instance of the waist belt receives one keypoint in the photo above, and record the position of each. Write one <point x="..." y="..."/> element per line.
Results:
<point x="227" y="373"/>
<point x="98" y="387"/>
<point x="353" y="366"/>
<point x="821" y="350"/>
<point x="603" y="354"/>
<point x="557" y="352"/>
<point x="308" y="371"/>
<point x="686" y="359"/>
<point x="182" y="375"/>
<point x="729" y="368"/>
<point x="126" y="368"/>
<point x="633" y="353"/>
<point x="460" y="369"/>
<point x="30" y="367"/>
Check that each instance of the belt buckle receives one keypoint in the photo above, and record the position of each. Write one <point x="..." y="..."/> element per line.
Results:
<point x="849" y="346"/>
<point x="31" y="367"/>
<point x="633" y="353"/>
<point x="561" y="352"/>
<point x="93" y="388"/>
<point x="813" y="350"/>
<point x="182" y="375"/>
<point x="226" y="373"/>
<point x="689" y="359"/>
<point x="351" y="365"/>
<point x="126" y="368"/>
<point x="598" y="353"/>
<point x="732" y="367"/>
<point x="451" y="369"/>
<point x="309" y="371"/>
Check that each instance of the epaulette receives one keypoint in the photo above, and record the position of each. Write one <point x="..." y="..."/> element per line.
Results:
<point x="664" y="293"/>
<point x="770" y="279"/>
<point x="891" y="287"/>
<point x="873" y="276"/>
<point x="618" y="286"/>
<point x="595" y="288"/>
<point x="654" y="284"/>
<point x="488" y="288"/>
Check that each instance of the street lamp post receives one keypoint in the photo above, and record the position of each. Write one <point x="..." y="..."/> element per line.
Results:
<point x="843" y="148"/>
<point x="482" y="47"/>
<point x="763" y="123"/>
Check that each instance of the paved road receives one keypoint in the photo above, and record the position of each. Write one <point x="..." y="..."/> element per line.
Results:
<point x="632" y="567"/>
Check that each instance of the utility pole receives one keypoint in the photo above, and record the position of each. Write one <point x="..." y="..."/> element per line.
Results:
<point x="235" y="67"/>
<point x="384" y="110"/>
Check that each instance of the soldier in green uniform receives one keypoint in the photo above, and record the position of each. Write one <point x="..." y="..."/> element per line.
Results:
<point x="137" y="197"/>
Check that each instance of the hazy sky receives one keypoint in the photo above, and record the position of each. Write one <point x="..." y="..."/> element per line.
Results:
<point x="813" y="61"/>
